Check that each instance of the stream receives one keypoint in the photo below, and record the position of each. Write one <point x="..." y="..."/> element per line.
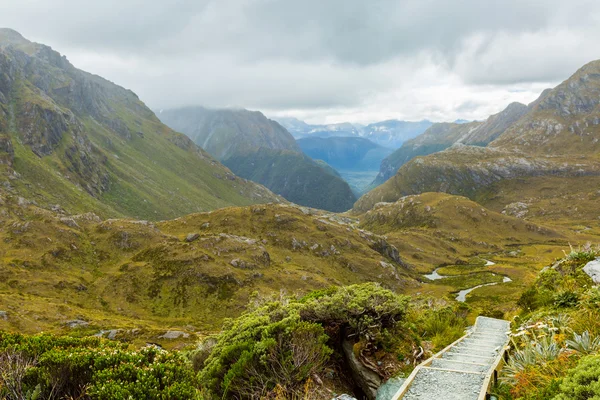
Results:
<point x="462" y="295"/>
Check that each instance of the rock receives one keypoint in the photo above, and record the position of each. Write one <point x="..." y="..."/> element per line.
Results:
<point x="70" y="222"/>
<point x="366" y="379"/>
<point x="384" y="248"/>
<point x="344" y="397"/>
<point x="389" y="388"/>
<point x="112" y="334"/>
<point x="81" y="287"/>
<point x="3" y="315"/>
<point x="288" y="258"/>
<point x="191" y="237"/>
<point x="205" y="225"/>
<point x="77" y="323"/>
<point x="174" y="335"/>
<point x="593" y="270"/>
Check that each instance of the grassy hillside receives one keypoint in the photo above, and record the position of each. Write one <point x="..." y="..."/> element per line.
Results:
<point x="188" y="273"/>
<point x="73" y="140"/>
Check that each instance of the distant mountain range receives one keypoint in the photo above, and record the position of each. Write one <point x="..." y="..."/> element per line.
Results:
<point x="345" y="153"/>
<point x="257" y="148"/>
<point x="440" y="136"/>
<point x="390" y="134"/>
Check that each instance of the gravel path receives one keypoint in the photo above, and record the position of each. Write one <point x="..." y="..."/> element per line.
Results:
<point x="459" y="373"/>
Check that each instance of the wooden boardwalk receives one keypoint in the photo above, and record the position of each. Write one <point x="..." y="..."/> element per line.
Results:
<point x="465" y="370"/>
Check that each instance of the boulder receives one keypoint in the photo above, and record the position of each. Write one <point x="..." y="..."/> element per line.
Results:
<point x="77" y="323"/>
<point x="593" y="270"/>
<point x="174" y="335"/>
<point x="191" y="237"/>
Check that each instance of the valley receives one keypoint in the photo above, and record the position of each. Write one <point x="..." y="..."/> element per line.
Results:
<point x="216" y="253"/>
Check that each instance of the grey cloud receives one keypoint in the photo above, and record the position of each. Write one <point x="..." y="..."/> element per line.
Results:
<point x="316" y="54"/>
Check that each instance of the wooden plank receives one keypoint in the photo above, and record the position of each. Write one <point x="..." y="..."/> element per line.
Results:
<point x="487" y="382"/>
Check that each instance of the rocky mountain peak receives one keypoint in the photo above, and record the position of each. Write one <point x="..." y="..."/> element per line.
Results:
<point x="10" y="36"/>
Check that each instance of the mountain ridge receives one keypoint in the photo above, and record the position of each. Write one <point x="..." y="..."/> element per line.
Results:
<point x="554" y="143"/>
<point x="75" y="139"/>
<point x="440" y="136"/>
<point x="257" y="148"/>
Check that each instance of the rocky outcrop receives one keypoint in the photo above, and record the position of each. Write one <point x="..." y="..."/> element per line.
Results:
<point x="6" y="150"/>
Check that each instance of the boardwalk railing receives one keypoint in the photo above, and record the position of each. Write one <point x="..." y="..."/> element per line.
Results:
<point x="464" y="370"/>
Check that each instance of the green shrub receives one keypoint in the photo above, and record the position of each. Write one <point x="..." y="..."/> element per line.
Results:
<point x="280" y="344"/>
<point x="93" y="368"/>
<point x="566" y="299"/>
<point x="583" y="381"/>
<point x="441" y="325"/>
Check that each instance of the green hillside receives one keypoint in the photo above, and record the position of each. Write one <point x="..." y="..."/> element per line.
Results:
<point x="73" y="140"/>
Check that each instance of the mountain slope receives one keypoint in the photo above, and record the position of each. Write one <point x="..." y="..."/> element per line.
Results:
<point x="75" y="140"/>
<point x="351" y="153"/>
<point x="440" y="136"/>
<point x="548" y="161"/>
<point x="294" y="176"/>
<point x="261" y="150"/>
<point x="227" y="132"/>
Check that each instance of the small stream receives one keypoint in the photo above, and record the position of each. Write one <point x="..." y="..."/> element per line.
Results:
<point x="462" y="295"/>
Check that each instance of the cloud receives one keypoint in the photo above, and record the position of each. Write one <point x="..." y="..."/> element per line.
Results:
<point x="322" y="60"/>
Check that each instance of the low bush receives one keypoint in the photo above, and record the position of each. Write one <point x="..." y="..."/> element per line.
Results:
<point x="582" y="382"/>
<point x="90" y="368"/>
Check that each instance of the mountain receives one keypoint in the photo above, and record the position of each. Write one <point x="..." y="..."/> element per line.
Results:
<point x="393" y="133"/>
<point x="440" y="136"/>
<point x="296" y="177"/>
<point x="389" y="134"/>
<point x="544" y="166"/>
<point x="257" y="148"/>
<point x="76" y="141"/>
<point x="226" y="132"/>
<point x="345" y="153"/>
<point x="356" y="159"/>
<point x="300" y="129"/>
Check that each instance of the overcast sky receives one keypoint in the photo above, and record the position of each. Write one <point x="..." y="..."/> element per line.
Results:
<point x="322" y="60"/>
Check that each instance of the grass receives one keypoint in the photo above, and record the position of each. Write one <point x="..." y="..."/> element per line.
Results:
<point x="123" y="274"/>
